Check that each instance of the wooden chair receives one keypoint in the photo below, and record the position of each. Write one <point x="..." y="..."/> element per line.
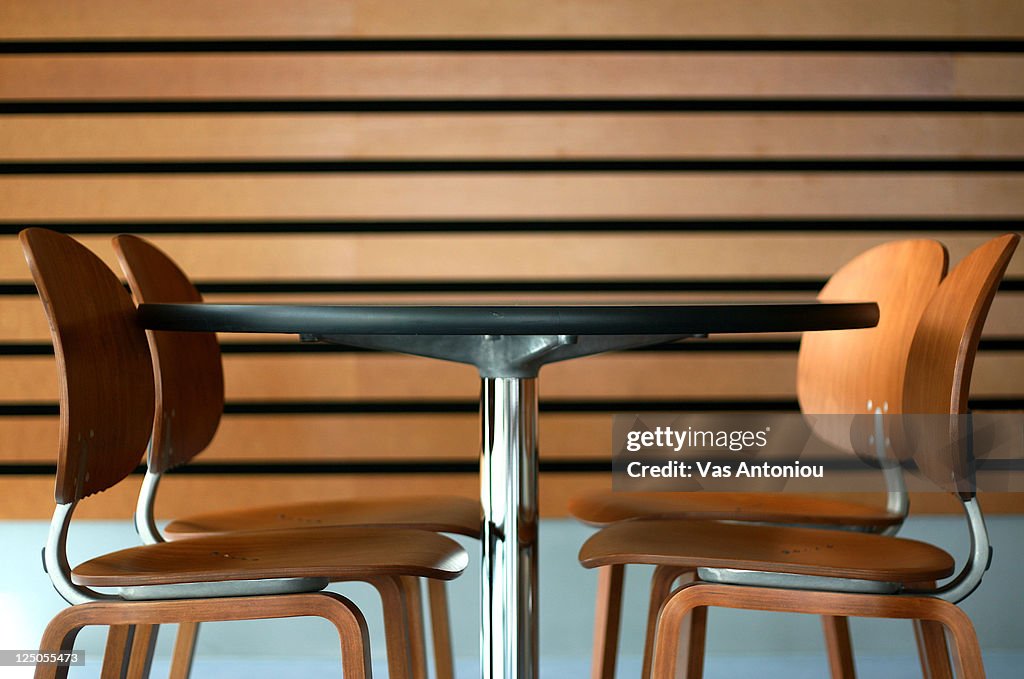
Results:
<point x="835" y="573"/>
<point x="106" y="416"/>
<point x="189" y="405"/>
<point x="844" y="372"/>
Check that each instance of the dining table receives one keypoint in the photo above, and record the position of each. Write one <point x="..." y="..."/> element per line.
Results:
<point x="508" y="344"/>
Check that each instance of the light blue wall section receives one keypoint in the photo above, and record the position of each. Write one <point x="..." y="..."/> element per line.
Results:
<point x="27" y="601"/>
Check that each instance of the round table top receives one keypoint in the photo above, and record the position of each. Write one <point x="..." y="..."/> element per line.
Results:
<point x="554" y="319"/>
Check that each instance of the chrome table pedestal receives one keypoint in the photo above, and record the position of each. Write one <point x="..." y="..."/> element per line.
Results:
<point x="508" y="491"/>
<point x="508" y="366"/>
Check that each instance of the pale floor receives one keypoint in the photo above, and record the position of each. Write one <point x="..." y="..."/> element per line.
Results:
<point x="998" y="665"/>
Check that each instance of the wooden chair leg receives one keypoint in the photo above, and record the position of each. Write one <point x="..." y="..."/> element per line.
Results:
<point x="661" y="586"/>
<point x="932" y="650"/>
<point x="666" y="646"/>
<point x="355" y="640"/>
<point x="968" y="654"/>
<point x="184" y="650"/>
<point x="417" y="640"/>
<point x="396" y="626"/>
<point x="692" y="657"/>
<point x="440" y="629"/>
<point x="58" y="636"/>
<point x="347" y="619"/>
<point x="141" y="659"/>
<point x="116" y="653"/>
<point x="966" y="650"/>
<point x="607" y="618"/>
<point x="837" y="643"/>
<point x="129" y="652"/>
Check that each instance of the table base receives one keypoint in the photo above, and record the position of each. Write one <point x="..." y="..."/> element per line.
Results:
<point x="508" y="490"/>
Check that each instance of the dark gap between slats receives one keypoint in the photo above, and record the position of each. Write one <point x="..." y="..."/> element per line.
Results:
<point x="684" y="225"/>
<point x="470" y="287"/>
<point x="705" y="165"/>
<point x="551" y="105"/>
<point x="312" y="467"/>
<point x="401" y="467"/>
<point x="455" y="407"/>
<point x="582" y="44"/>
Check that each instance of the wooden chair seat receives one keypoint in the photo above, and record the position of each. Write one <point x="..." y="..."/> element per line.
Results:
<point x="336" y="553"/>
<point x="604" y="507"/>
<point x="441" y="513"/>
<point x="776" y="549"/>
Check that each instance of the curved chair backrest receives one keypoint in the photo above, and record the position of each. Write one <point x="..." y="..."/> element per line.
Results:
<point x="938" y="374"/>
<point x="104" y="368"/>
<point x="841" y="372"/>
<point x="189" y="373"/>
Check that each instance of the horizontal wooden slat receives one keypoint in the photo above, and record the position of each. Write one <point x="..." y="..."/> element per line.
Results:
<point x="483" y="75"/>
<point x="985" y="76"/>
<point x="369" y="438"/>
<point x="405" y="442"/>
<point x="516" y="257"/>
<point x="22" y="319"/>
<point x="363" y="136"/>
<point x="500" y="195"/>
<point x="349" y="438"/>
<point x="31" y="497"/>
<point x="326" y="18"/>
<point x="356" y="377"/>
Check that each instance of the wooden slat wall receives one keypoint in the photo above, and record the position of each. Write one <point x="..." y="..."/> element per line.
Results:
<point x="404" y="152"/>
